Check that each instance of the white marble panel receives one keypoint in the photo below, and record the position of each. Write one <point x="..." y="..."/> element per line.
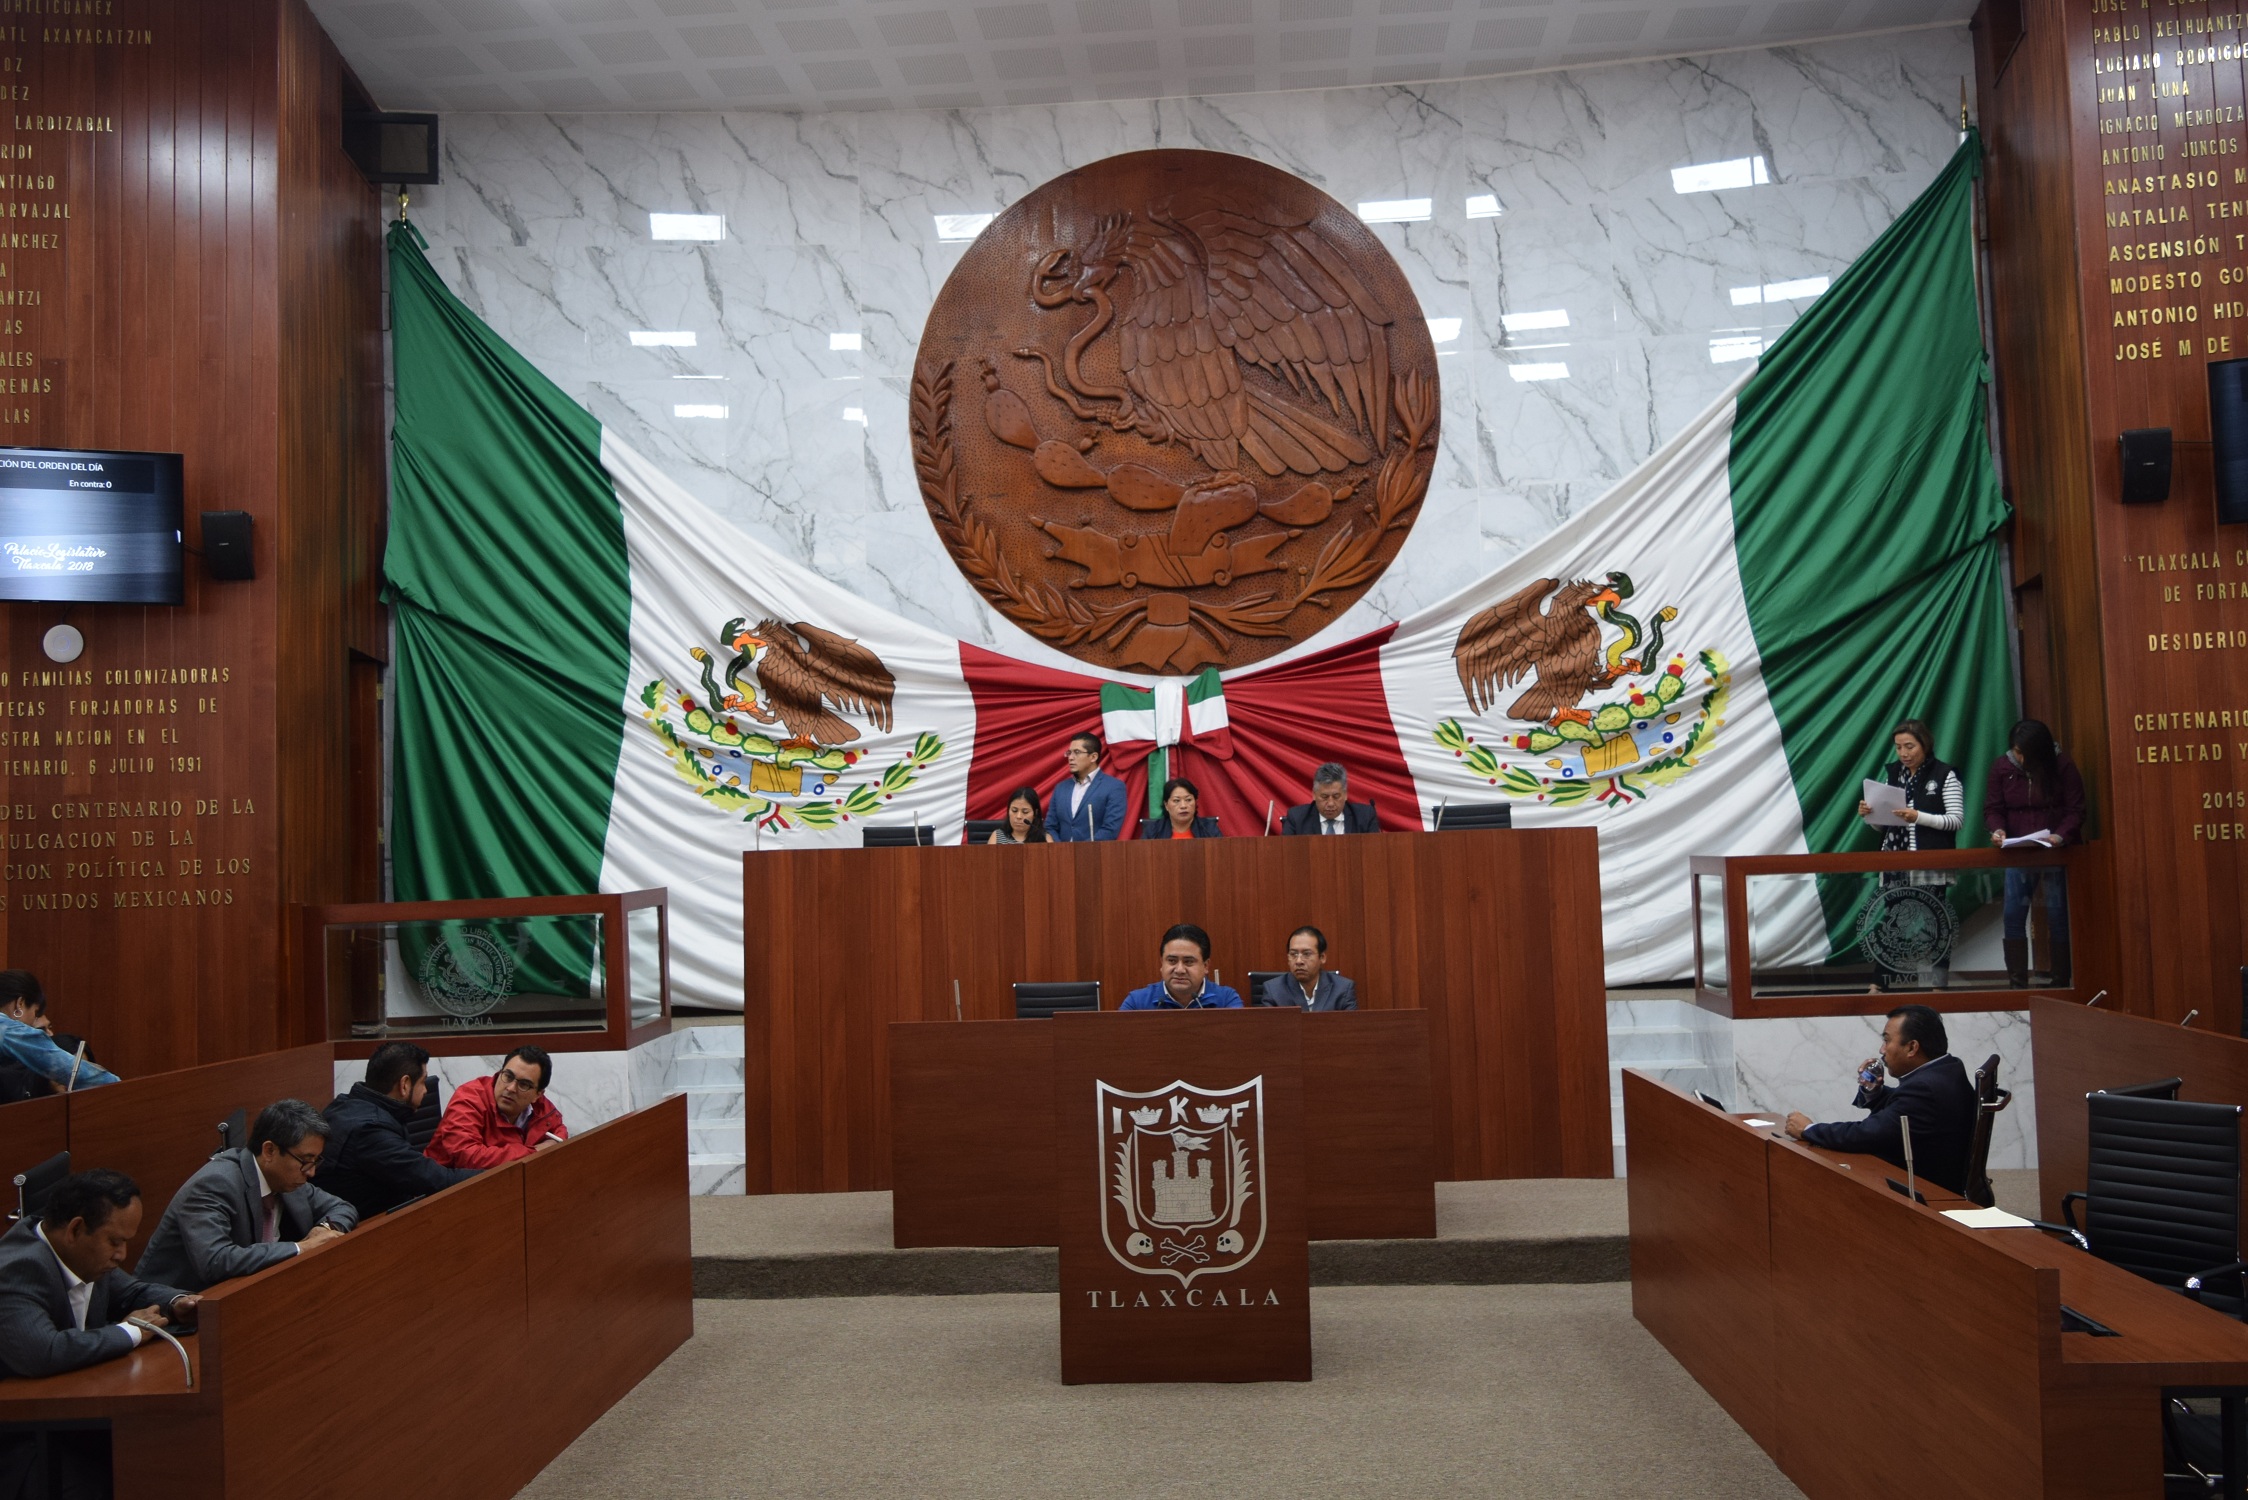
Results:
<point x="541" y="225"/>
<point x="1811" y="1063"/>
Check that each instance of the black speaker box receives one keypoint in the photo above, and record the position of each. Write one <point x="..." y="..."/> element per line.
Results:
<point x="2228" y="434"/>
<point x="2146" y="466"/>
<point x="226" y="545"/>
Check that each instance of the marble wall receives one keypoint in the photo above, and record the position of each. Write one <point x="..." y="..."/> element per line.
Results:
<point x="1550" y="193"/>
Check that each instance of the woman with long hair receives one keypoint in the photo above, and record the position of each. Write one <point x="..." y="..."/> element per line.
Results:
<point x="1026" y="819"/>
<point x="1935" y="806"/>
<point x="1181" y="819"/>
<point x="2035" y="791"/>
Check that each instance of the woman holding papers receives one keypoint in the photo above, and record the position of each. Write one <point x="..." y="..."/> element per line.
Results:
<point x="1924" y="812"/>
<point x="2035" y="798"/>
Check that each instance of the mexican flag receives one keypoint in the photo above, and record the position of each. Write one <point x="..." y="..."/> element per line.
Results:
<point x="601" y="685"/>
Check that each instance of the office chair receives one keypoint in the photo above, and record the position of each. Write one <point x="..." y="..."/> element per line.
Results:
<point x="234" y="1130"/>
<point x="1037" y="1000"/>
<point x="421" y="1126"/>
<point x="976" y="830"/>
<point x="1989" y="1100"/>
<point x="2162" y="1193"/>
<point x="33" y="1184"/>
<point x="897" y="838"/>
<point x="2164" y="1088"/>
<point x="1462" y="815"/>
<point x="1258" y="979"/>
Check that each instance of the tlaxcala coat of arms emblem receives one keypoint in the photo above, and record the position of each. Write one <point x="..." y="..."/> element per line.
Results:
<point x="1174" y="409"/>
<point x="1182" y="1177"/>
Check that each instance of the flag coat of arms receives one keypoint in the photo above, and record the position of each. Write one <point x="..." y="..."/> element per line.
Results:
<point x="602" y="685"/>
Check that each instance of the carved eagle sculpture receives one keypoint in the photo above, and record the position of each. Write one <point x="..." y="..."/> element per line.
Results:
<point x="1192" y="299"/>
<point x="802" y="669"/>
<point x="1559" y="642"/>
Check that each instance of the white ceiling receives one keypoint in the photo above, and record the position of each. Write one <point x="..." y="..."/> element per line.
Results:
<point x="575" y="55"/>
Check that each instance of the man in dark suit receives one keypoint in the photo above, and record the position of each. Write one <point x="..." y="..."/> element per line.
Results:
<point x="1307" y="985"/>
<point x="63" y="1298"/>
<point x="1932" y="1090"/>
<point x="1330" y="809"/>
<point x="250" y="1207"/>
<point x="1087" y="804"/>
<point x="370" y="1161"/>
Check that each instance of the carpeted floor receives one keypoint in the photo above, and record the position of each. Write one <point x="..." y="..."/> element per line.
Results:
<point x="1543" y="1391"/>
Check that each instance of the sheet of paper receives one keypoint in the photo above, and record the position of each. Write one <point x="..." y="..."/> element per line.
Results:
<point x="1885" y="800"/>
<point x="2043" y="839"/>
<point x="1988" y="1218"/>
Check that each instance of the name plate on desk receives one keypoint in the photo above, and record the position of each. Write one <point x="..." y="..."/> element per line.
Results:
<point x="1180" y="1157"/>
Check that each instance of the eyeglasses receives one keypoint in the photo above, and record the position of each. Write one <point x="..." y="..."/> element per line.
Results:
<point x="310" y="1164"/>
<point x="506" y="1080"/>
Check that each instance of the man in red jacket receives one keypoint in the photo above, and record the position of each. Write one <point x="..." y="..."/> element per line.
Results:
<point x="496" y="1120"/>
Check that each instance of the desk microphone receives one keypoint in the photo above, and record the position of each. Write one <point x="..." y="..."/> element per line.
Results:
<point x="1270" y="803"/>
<point x="1436" y="823"/>
<point x="2096" y="999"/>
<point x="187" y="1369"/>
<point x="1904" y="1123"/>
<point x="956" y="999"/>
<point x="2188" y="1021"/>
<point x="75" y="1064"/>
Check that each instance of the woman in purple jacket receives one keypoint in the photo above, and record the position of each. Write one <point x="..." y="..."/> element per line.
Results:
<point x="2035" y="789"/>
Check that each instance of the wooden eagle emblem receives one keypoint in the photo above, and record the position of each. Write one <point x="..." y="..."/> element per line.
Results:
<point x="1557" y="641"/>
<point x="799" y="671"/>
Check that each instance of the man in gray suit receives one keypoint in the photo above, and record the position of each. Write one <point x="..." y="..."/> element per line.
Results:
<point x="250" y="1207"/>
<point x="63" y="1297"/>
<point x="1307" y="985"/>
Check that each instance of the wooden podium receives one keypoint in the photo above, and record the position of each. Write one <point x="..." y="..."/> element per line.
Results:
<point x="1181" y="1163"/>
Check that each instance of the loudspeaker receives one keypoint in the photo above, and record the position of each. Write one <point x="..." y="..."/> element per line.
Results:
<point x="2228" y="434"/>
<point x="226" y="545"/>
<point x="392" y="147"/>
<point x="2146" y="466"/>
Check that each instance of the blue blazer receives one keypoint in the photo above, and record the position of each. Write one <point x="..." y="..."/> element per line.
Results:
<point x="1101" y="818"/>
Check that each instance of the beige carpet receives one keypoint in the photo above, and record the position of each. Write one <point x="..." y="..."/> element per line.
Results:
<point x="1527" y="1391"/>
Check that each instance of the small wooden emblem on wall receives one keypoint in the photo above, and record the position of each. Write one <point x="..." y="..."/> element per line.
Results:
<point x="1174" y="409"/>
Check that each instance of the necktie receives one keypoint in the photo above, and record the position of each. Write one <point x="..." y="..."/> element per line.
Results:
<point x="267" y="1234"/>
<point x="1331" y="826"/>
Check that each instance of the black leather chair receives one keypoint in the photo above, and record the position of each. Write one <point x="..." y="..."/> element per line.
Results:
<point x="897" y="838"/>
<point x="234" y="1130"/>
<point x="1989" y="1100"/>
<point x="421" y="1126"/>
<point x="1033" y="1000"/>
<point x="1258" y="979"/>
<point x="35" y="1183"/>
<point x="1462" y="815"/>
<point x="2162" y="1193"/>
<point x="977" y="830"/>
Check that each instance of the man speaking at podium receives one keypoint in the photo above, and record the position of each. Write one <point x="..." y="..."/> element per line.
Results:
<point x="1185" y="984"/>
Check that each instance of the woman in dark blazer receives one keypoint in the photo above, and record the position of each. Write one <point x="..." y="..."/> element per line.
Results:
<point x="1181" y="803"/>
<point x="2035" y="789"/>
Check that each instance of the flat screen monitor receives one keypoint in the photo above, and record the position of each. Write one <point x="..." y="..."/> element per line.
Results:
<point x="83" y="527"/>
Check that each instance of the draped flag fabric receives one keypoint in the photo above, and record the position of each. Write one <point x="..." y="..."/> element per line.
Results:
<point x="602" y="685"/>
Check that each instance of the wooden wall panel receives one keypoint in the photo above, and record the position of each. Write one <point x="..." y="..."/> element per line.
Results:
<point x="214" y="291"/>
<point x="31" y="1130"/>
<point x="2115" y="184"/>
<point x="1495" y="934"/>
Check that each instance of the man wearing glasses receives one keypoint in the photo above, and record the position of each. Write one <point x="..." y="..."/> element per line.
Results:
<point x="249" y="1207"/>
<point x="503" y="1118"/>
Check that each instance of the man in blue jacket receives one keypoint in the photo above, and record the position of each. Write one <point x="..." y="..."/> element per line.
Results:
<point x="1088" y="803"/>
<point x="26" y="1036"/>
<point x="1932" y="1090"/>
<point x="371" y="1162"/>
<point x="1185" y="984"/>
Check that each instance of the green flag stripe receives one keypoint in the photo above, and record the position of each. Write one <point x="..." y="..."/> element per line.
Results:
<point x="1866" y="514"/>
<point x="507" y="575"/>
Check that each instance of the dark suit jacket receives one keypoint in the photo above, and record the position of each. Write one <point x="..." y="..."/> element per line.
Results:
<point x="37" y="1334"/>
<point x="209" y="1232"/>
<point x="1358" y="817"/>
<point x="1335" y="992"/>
<point x="1101" y="818"/>
<point x="371" y="1161"/>
<point x="1940" y="1098"/>
<point x="1160" y="828"/>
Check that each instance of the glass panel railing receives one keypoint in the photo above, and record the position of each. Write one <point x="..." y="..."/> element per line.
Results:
<point x="645" y="927"/>
<point x="499" y="973"/>
<point x="1905" y="929"/>
<point x="1709" y="923"/>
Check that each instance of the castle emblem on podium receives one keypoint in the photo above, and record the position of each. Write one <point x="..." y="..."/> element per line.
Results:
<point x="1182" y="1177"/>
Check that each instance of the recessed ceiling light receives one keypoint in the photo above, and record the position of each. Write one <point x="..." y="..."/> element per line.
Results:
<point x="1396" y="210"/>
<point x="687" y="226"/>
<point x="644" y="338"/>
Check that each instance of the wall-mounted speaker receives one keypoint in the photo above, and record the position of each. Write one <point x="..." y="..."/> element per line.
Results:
<point x="226" y="546"/>
<point x="394" y="148"/>
<point x="2146" y="466"/>
<point x="2228" y="434"/>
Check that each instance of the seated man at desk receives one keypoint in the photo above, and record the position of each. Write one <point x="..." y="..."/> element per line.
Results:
<point x="1307" y="985"/>
<point x="63" y="1297"/>
<point x="27" y="1036"/>
<point x="371" y="1162"/>
<point x="249" y="1207"/>
<point x="1932" y="1090"/>
<point x="493" y="1121"/>
<point x="1330" y="809"/>
<point x="1185" y="984"/>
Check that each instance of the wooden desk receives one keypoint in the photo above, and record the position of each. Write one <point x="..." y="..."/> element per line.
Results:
<point x="972" y="1152"/>
<point x="409" y="1335"/>
<point x="1494" y="935"/>
<point x="2076" y="1049"/>
<point x="1887" y="1318"/>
